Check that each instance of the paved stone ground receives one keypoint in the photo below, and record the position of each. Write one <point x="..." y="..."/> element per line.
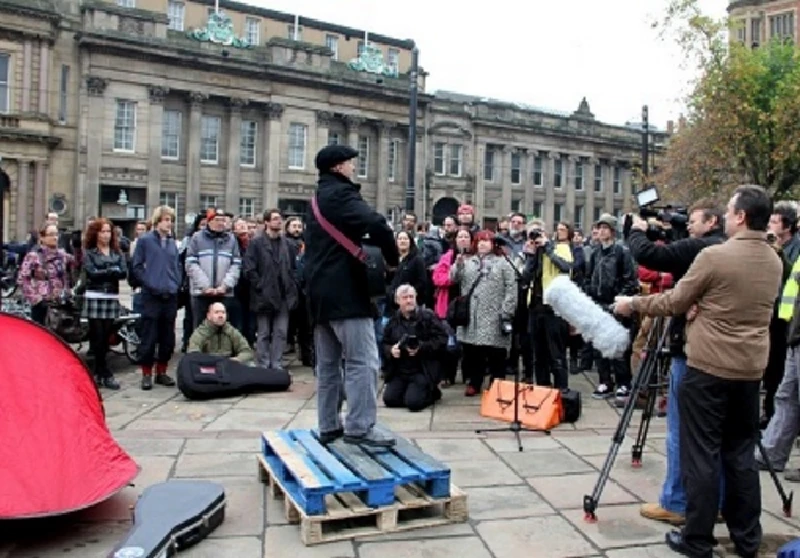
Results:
<point x="526" y="503"/>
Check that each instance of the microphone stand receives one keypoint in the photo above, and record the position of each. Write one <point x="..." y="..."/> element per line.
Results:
<point x="516" y="426"/>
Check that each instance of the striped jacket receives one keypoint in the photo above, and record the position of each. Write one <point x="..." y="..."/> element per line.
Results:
<point x="212" y="260"/>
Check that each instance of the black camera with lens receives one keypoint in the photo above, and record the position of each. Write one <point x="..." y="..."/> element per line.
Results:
<point x="676" y="218"/>
<point x="409" y="342"/>
<point x="534" y="234"/>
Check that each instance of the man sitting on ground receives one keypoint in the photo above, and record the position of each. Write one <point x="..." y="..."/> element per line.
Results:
<point x="215" y="336"/>
<point x="413" y="341"/>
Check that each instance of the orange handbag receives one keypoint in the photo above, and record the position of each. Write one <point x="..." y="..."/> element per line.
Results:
<point x="540" y="408"/>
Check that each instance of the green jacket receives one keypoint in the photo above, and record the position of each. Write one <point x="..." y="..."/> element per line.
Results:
<point x="224" y="341"/>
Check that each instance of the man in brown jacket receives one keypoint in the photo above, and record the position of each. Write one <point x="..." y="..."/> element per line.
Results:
<point x="733" y="286"/>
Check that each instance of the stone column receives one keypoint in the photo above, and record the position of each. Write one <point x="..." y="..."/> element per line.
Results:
<point x="353" y="123"/>
<point x="608" y="206"/>
<point x="323" y="127"/>
<point x="23" y="187"/>
<point x="505" y="183"/>
<point x="588" y="211"/>
<point x="196" y="100"/>
<point x="233" y="179"/>
<point x="27" y="69"/>
<point x="94" y="147"/>
<point x="272" y="154"/>
<point x="156" y="112"/>
<point x="627" y="187"/>
<point x="527" y="182"/>
<point x="569" y="213"/>
<point x="479" y="202"/>
<point x="40" y="192"/>
<point x="44" y="77"/>
<point x="384" y="139"/>
<point x="549" y="187"/>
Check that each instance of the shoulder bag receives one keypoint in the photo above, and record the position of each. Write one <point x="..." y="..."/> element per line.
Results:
<point x="370" y="256"/>
<point x="459" y="307"/>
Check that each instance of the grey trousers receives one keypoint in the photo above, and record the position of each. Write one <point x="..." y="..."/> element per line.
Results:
<point x="271" y="337"/>
<point x="353" y="341"/>
<point x="784" y="426"/>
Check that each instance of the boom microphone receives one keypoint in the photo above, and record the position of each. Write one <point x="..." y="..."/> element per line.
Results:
<point x="597" y="326"/>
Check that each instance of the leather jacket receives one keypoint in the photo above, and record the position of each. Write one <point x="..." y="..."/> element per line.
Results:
<point x="103" y="273"/>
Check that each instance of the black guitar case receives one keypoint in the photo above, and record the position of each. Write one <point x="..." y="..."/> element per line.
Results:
<point x="172" y="516"/>
<point x="202" y="376"/>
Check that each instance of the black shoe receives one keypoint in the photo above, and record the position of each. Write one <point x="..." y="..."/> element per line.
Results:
<point x="164" y="380"/>
<point x="371" y="439"/>
<point x="674" y="541"/>
<point x="328" y="437"/>
<point x="109" y="382"/>
<point x="147" y="383"/>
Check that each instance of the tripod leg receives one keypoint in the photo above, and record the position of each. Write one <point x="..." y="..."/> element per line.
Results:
<point x="653" y="385"/>
<point x="786" y="500"/>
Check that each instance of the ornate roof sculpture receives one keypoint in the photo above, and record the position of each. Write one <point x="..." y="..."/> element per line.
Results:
<point x="219" y="30"/>
<point x="371" y="61"/>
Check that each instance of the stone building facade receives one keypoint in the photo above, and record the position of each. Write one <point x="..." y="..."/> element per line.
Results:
<point x="114" y="107"/>
<point x="755" y="22"/>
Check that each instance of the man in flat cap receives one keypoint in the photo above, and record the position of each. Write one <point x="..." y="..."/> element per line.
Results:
<point x="339" y="299"/>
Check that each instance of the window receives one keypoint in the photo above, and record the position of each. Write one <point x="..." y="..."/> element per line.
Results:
<point x="617" y="180"/>
<point x="516" y="168"/>
<point x="292" y="36"/>
<point x="208" y="201"/>
<point x="455" y="160"/>
<point x="176" y="14"/>
<point x="438" y="158"/>
<point x="516" y="204"/>
<point x="332" y="42"/>
<point x="741" y="30"/>
<point x="171" y="134"/>
<point x="169" y="199"/>
<point x="209" y="139"/>
<point x="393" y="59"/>
<point x="5" y="76"/>
<point x="297" y="145"/>
<point x="781" y="26"/>
<point x="755" y="31"/>
<point x="579" y="175"/>
<point x="126" y="3"/>
<point x="537" y="171"/>
<point x="125" y="126"/>
<point x="558" y="212"/>
<point x="488" y="165"/>
<point x="247" y="207"/>
<point x="251" y="30"/>
<point x="394" y="146"/>
<point x="598" y="211"/>
<point x="537" y="209"/>
<point x="334" y="138"/>
<point x="63" y="89"/>
<point x="558" y="169"/>
<point x="248" y="141"/>
<point x="363" y="158"/>
<point x="598" y="178"/>
<point x="579" y="216"/>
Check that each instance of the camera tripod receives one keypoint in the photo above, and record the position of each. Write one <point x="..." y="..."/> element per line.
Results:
<point x="516" y="425"/>
<point x="656" y="361"/>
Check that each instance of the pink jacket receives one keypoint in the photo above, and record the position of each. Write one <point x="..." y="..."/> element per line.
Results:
<point x="441" y="281"/>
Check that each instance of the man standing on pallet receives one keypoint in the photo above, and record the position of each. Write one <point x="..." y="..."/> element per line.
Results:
<point x="337" y="286"/>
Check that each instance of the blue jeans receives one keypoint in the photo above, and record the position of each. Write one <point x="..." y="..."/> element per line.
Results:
<point x="673" y="494"/>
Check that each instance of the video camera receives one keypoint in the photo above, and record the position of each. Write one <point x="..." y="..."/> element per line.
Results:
<point x="676" y="218"/>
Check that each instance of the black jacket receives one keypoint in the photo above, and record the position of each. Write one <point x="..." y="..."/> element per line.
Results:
<point x="103" y="273"/>
<point x="432" y="337"/>
<point x="410" y="271"/>
<point x="675" y="258"/>
<point x="336" y="282"/>
<point x="610" y="273"/>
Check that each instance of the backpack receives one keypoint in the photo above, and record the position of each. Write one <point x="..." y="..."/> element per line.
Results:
<point x="431" y="252"/>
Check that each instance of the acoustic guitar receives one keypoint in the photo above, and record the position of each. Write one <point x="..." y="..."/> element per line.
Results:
<point x="172" y="516"/>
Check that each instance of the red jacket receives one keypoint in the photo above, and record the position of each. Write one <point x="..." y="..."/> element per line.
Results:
<point x="658" y="281"/>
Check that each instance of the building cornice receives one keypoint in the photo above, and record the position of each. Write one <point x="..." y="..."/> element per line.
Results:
<point x="197" y="55"/>
<point x="135" y="13"/>
<point x="22" y="136"/>
<point x="39" y="9"/>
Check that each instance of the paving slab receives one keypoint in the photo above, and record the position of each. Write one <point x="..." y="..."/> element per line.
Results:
<point x="244" y="508"/>
<point x="149" y="446"/>
<point x="490" y="472"/>
<point x="549" y="536"/>
<point x="455" y="547"/>
<point x="216" y="464"/>
<point x="240" y="547"/>
<point x="566" y="492"/>
<point x="545" y="462"/>
<point x="284" y="541"/>
<point x="619" y="526"/>
<point x="502" y="442"/>
<point x="505" y="502"/>
<point x="455" y="450"/>
<point x="247" y="444"/>
<point x="257" y="421"/>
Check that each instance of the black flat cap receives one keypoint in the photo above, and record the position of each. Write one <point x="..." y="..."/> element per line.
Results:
<point x="331" y="155"/>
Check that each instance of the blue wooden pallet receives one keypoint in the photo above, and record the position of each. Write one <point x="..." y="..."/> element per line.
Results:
<point x="309" y="471"/>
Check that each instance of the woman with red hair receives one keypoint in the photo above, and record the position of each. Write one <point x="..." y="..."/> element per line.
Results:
<point x="104" y="267"/>
<point x="491" y="285"/>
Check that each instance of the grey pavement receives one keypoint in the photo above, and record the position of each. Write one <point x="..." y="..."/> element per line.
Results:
<point x="527" y="503"/>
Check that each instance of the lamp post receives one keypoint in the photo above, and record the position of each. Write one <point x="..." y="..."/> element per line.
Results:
<point x="4" y="186"/>
<point x="412" y="130"/>
<point x="645" y="142"/>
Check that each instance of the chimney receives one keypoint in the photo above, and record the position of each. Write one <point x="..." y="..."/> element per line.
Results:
<point x="670" y="127"/>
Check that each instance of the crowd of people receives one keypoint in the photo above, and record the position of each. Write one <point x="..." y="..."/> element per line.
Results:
<point x="458" y="297"/>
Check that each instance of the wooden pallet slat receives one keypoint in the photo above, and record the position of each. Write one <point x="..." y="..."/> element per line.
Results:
<point x="342" y="476"/>
<point x="380" y="482"/>
<point x="350" y="518"/>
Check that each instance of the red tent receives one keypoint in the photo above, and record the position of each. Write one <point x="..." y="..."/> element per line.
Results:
<point x="56" y="453"/>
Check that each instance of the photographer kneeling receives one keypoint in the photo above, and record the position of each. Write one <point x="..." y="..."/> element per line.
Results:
<point x="412" y="341"/>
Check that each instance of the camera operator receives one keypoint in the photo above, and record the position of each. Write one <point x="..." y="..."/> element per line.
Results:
<point x="413" y="342"/>
<point x="705" y="229"/>
<point x="610" y="272"/>
<point x="545" y="260"/>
